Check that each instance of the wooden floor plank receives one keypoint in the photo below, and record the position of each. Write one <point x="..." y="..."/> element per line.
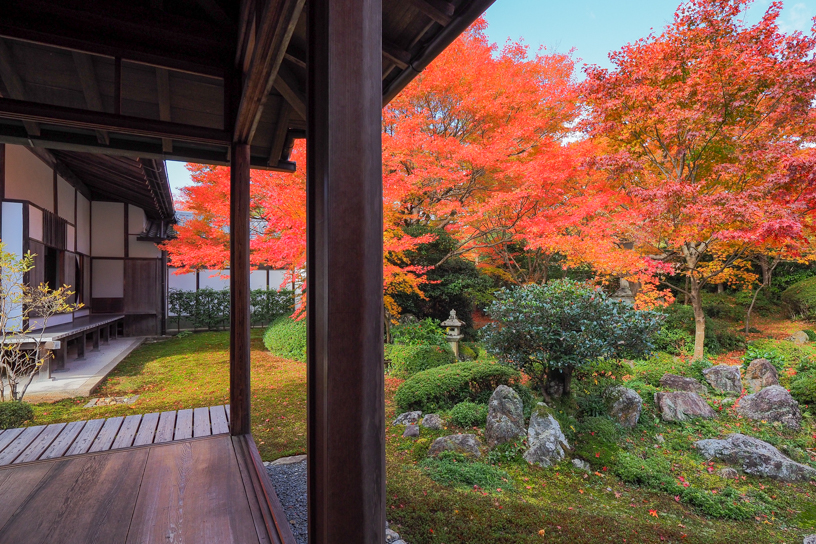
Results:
<point x="264" y="526"/>
<point x="16" y="485"/>
<point x="8" y="437"/>
<point x="218" y="417"/>
<point x="201" y="422"/>
<point x="84" y="499"/>
<point x="127" y="432"/>
<point x="167" y="424"/>
<point x="86" y="437"/>
<point x="178" y="501"/>
<point x="64" y="440"/>
<point x="41" y="443"/>
<point x="13" y="450"/>
<point x="147" y="428"/>
<point x="104" y="440"/>
<point x="184" y="425"/>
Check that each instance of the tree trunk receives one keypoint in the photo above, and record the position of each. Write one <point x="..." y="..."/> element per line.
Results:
<point x="751" y="308"/>
<point x="720" y="288"/>
<point x="685" y="293"/>
<point x="559" y="383"/>
<point x="387" y="325"/>
<point x="699" y="319"/>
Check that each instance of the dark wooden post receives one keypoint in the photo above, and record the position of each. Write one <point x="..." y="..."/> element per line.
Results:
<point x="239" y="290"/>
<point x="346" y="427"/>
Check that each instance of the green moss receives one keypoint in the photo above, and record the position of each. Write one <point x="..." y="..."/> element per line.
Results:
<point x="457" y="470"/>
<point x="468" y="414"/>
<point x="800" y="299"/>
<point x="406" y="360"/>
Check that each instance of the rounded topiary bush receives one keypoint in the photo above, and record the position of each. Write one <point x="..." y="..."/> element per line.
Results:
<point x="468" y="414"/>
<point x="406" y="361"/>
<point x="14" y="414"/>
<point x="286" y="337"/>
<point x="800" y="299"/>
<point x="443" y="387"/>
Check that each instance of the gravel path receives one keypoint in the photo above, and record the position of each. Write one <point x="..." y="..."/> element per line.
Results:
<point x="290" y="486"/>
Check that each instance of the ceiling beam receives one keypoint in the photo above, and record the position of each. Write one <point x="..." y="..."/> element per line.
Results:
<point x="125" y="124"/>
<point x="137" y="35"/>
<point x="90" y="88"/>
<point x="287" y="85"/>
<point x="396" y="54"/>
<point x="215" y="12"/>
<point x="279" y="139"/>
<point x="14" y="84"/>
<point x="163" y="89"/>
<point x="275" y="27"/>
<point x="438" y="10"/>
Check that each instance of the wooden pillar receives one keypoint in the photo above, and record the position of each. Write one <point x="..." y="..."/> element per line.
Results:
<point x="239" y="290"/>
<point x="346" y="427"/>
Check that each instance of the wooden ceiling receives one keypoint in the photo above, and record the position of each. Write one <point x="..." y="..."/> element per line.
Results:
<point x="183" y="79"/>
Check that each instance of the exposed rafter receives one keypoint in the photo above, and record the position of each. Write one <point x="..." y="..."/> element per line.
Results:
<point x="90" y="88"/>
<point x="276" y="24"/>
<point x="438" y="10"/>
<point x="395" y="54"/>
<point x="14" y="84"/>
<point x="287" y="86"/>
<point x="279" y="139"/>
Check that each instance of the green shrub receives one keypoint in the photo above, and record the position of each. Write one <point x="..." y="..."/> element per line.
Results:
<point x="471" y="347"/>
<point x="287" y="338"/>
<point x="725" y="306"/>
<point x="422" y="333"/>
<point x="455" y="469"/>
<point x="443" y="387"/>
<point x="811" y="334"/>
<point x="509" y="452"/>
<point x="551" y="330"/>
<point x="468" y="414"/>
<point x="800" y="299"/>
<point x="405" y="361"/>
<point x="14" y="414"/>
<point x="466" y="353"/>
<point x="209" y="308"/>
<point x="803" y="387"/>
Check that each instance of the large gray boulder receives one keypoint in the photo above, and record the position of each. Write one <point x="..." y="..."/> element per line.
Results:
<point x="760" y="374"/>
<point x="773" y="403"/>
<point x="408" y="418"/>
<point x="755" y="457"/>
<point x="432" y="421"/>
<point x="809" y="539"/>
<point x="623" y="405"/>
<point x="505" y="417"/>
<point x="467" y="444"/>
<point x="679" y="383"/>
<point x="799" y="338"/>
<point x="724" y="378"/>
<point x="545" y="439"/>
<point x="411" y="431"/>
<point x="682" y="405"/>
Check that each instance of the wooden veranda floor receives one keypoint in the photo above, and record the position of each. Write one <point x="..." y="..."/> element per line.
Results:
<point x="211" y="489"/>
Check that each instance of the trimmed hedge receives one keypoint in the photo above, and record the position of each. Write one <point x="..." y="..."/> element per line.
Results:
<point x="210" y="308"/>
<point x="405" y="361"/>
<point x="800" y="299"/>
<point x="443" y="387"/>
<point x="14" y="413"/>
<point x="287" y="338"/>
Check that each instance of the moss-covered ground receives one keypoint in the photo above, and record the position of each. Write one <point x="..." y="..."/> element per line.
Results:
<point x="645" y="485"/>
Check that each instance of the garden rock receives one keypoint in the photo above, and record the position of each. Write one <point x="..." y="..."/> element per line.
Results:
<point x="725" y="378"/>
<point x="728" y="473"/>
<point x="679" y="383"/>
<point x="809" y="539"/>
<point x="581" y="465"/>
<point x="466" y="444"/>
<point x="682" y="405"/>
<point x="773" y="403"/>
<point x="799" y="338"/>
<point x="545" y="439"/>
<point x="432" y="421"/>
<point x="760" y="374"/>
<point x="755" y="457"/>
<point x="505" y="417"/>
<point x="391" y="536"/>
<point x="411" y="431"/>
<point x="408" y="418"/>
<point x="624" y="405"/>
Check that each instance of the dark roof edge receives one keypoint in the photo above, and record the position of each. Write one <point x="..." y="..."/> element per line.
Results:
<point x="433" y="49"/>
<point x="156" y="173"/>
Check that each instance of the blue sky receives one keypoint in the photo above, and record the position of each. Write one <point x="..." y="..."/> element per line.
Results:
<point x="592" y="27"/>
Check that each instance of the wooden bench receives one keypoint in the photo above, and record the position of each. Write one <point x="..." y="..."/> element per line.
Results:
<point x="101" y="326"/>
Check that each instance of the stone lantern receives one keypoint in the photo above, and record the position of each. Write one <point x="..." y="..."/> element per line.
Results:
<point x="452" y="332"/>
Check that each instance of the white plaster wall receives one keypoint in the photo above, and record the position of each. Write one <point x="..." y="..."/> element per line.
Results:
<point x="107" y="278"/>
<point x="82" y="312"/>
<point x="28" y="178"/>
<point x="69" y="233"/>
<point x="65" y="199"/>
<point x="185" y="282"/>
<point x="35" y="223"/>
<point x="60" y="319"/>
<point x="276" y="279"/>
<point x="257" y="279"/>
<point x="83" y="225"/>
<point x="212" y="279"/>
<point x="142" y="249"/>
<point x="136" y="219"/>
<point x="12" y="238"/>
<point x="107" y="229"/>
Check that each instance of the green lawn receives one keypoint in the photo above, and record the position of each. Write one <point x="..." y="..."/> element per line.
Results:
<point x="561" y="505"/>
